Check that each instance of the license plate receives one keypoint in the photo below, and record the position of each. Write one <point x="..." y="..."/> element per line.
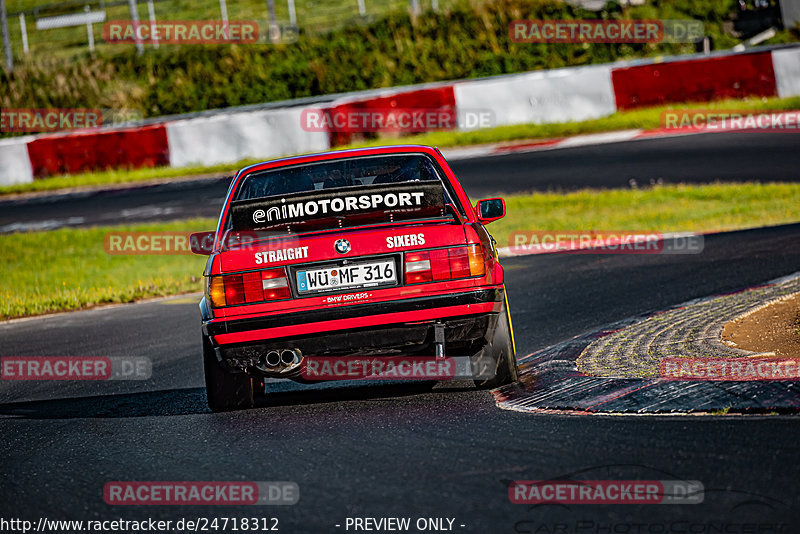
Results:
<point x="377" y="273"/>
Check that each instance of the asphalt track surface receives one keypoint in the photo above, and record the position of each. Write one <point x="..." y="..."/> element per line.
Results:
<point x="402" y="450"/>
<point x="702" y="158"/>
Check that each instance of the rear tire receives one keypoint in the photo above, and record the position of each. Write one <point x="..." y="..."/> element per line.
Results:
<point x="496" y="364"/>
<point x="226" y="391"/>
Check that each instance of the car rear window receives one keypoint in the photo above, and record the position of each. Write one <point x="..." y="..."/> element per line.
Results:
<point x="342" y="192"/>
<point x="374" y="170"/>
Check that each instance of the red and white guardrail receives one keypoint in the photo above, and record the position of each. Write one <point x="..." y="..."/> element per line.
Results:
<point x="568" y="94"/>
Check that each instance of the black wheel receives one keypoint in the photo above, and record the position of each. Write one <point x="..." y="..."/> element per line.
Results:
<point x="226" y="391"/>
<point x="496" y="364"/>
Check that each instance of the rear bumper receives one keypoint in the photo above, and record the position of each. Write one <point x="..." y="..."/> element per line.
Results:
<point x="397" y="327"/>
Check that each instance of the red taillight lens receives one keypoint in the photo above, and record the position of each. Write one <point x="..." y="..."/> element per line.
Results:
<point x="234" y="289"/>
<point x="252" y="287"/>
<point x="444" y="264"/>
<point x="459" y="262"/>
<point x="440" y="265"/>
<point x="248" y="288"/>
<point x="418" y="268"/>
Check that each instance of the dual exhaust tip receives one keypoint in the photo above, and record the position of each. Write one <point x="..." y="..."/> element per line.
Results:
<point x="282" y="358"/>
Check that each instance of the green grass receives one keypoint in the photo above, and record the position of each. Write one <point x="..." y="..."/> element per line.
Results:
<point x="69" y="269"/>
<point x="671" y="208"/>
<point x="645" y="118"/>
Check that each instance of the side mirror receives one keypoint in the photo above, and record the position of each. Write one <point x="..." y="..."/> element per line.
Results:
<point x="490" y="209"/>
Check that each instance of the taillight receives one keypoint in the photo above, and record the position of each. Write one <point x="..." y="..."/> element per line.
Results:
<point x="459" y="262"/>
<point x="251" y="283"/>
<point x="477" y="267"/>
<point x="215" y="291"/>
<point x="418" y="267"/>
<point x="440" y="264"/>
<point x="444" y="264"/>
<point x="275" y="285"/>
<point x="248" y="288"/>
<point x="234" y="289"/>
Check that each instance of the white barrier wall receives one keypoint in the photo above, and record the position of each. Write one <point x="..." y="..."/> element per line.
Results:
<point x="786" y="64"/>
<point x="561" y="95"/>
<point x="230" y="138"/>
<point x="15" y="164"/>
<point x="541" y="97"/>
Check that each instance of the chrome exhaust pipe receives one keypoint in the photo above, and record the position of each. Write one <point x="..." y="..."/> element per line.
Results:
<point x="273" y="359"/>
<point x="284" y="363"/>
<point x="287" y="357"/>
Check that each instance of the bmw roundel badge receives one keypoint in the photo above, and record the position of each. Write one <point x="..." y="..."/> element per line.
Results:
<point x="342" y="246"/>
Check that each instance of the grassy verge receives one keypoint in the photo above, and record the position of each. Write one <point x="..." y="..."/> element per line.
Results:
<point x="645" y="118"/>
<point x="69" y="269"/>
<point x="673" y="208"/>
